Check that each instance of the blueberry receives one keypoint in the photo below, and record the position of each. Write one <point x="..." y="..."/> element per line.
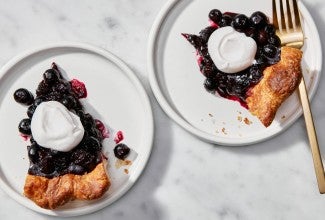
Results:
<point x="68" y="101"/>
<point x="39" y="100"/>
<point x="210" y="84"/>
<point x="23" y="96"/>
<point x="33" y="153"/>
<point x="215" y="15"/>
<point x="275" y="40"/>
<point x="251" y="32"/>
<point x="269" y="51"/>
<point x="270" y="29"/>
<point x="32" y="140"/>
<point x="240" y="22"/>
<point x="33" y="169"/>
<point x="243" y="80"/>
<point x="76" y="169"/>
<point x="50" y="76"/>
<point x="258" y="19"/>
<point x="255" y="74"/>
<point x="24" y="126"/>
<point x="81" y="114"/>
<point x="225" y="20"/>
<point x="261" y="60"/>
<point x="121" y="151"/>
<point x="30" y="111"/>
<point x="262" y="37"/>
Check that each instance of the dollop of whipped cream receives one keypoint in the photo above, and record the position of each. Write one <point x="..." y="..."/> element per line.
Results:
<point x="230" y="50"/>
<point x="54" y="126"/>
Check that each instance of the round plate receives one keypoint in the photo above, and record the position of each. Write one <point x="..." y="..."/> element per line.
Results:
<point x="178" y="84"/>
<point x="115" y="96"/>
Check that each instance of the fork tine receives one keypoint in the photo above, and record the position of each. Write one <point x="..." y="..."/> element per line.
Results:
<point x="296" y="12"/>
<point x="282" y="18"/>
<point x="290" y="23"/>
<point x="287" y="23"/>
<point x="275" y="15"/>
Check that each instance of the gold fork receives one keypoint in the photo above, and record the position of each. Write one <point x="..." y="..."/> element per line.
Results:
<point x="288" y="27"/>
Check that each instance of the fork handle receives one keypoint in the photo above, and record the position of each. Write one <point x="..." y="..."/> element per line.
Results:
<point x="317" y="159"/>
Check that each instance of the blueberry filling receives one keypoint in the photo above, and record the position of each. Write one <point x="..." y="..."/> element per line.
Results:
<point x="236" y="86"/>
<point x="51" y="163"/>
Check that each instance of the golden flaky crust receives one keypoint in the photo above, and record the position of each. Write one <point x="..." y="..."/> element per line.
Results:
<point x="279" y="82"/>
<point x="51" y="193"/>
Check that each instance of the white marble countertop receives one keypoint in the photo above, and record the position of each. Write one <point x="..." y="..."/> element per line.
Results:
<point x="185" y="178"/>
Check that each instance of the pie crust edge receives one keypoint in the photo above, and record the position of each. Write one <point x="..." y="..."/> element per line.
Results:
<point x="278" y="83"/>
<point x="51" y="193"/>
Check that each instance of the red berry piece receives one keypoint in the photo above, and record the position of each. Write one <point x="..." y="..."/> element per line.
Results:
<point x="101" y="127"/>
<point x="78" y="88"/>
<point x="119" y="137"/>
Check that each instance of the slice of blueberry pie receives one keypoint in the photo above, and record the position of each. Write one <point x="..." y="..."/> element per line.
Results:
<point x="242" y="60"/>
<point x="65" y="151"/>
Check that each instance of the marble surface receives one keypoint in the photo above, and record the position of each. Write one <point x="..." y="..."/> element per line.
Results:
<point x="185" y="178"/>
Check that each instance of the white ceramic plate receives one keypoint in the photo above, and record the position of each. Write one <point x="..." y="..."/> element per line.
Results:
<point x="115" y="96"/>
<point x="178" y="84"/>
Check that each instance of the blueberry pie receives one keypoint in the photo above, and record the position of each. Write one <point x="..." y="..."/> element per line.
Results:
<point x="242" y="59"/>
<point x="65" y="151"/>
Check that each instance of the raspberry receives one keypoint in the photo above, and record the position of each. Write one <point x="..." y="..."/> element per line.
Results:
<point x="79" y="88"/>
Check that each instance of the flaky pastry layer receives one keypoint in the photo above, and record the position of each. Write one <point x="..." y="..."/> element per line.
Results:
<point x="278" y="83"/>
<point x="51" y="193"/>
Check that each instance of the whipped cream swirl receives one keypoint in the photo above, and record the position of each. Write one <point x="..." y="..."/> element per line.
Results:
<point x="230" y="50"/>
<point x="54" y="126"/>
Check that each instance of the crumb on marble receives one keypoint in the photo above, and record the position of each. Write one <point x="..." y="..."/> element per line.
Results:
<point x="224" y="130"/>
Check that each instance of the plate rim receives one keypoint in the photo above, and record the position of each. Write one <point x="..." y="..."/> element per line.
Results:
<point x="164" y="104"/>
<point x="146" y="104"/>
